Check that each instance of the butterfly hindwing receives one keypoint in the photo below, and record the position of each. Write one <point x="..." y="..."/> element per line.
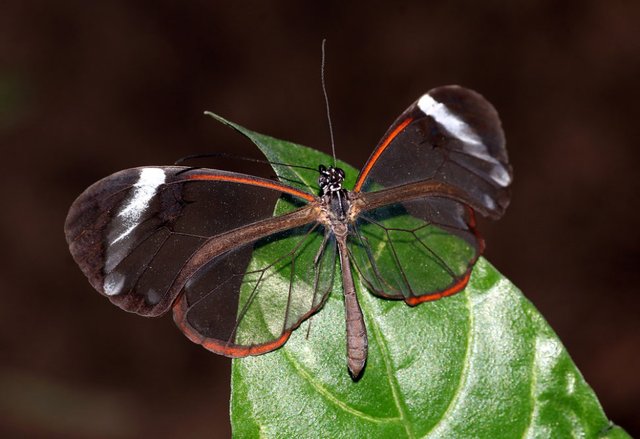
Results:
<point x="416" y="250"/>
<point x="288" y="278"/>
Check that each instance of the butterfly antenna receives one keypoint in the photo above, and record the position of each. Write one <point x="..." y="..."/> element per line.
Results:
<point x="237" y="157"/>
<point x="291" y="180"/>
<point x="326" y="101"/>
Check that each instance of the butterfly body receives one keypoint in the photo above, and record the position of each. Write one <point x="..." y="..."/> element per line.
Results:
<point x="336" y="203"/>
<point x="205" y="243"/>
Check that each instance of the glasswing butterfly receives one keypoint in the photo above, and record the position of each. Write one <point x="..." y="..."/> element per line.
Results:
<point x="171" y="237"/>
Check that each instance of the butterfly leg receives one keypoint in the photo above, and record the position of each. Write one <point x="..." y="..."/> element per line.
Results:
<point x="325" y="240"/>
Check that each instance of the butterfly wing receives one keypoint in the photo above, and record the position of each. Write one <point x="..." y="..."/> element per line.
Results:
<point x="451" y="135"/>
<point x="414" y="240"/>
<point x="416" y="250"/>
<point x="149" y="238"/>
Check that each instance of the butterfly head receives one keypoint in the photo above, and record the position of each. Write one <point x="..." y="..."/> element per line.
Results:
<point x="330" y="179"/>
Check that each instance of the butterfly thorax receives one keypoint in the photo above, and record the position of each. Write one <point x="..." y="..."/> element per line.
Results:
<point x="334" y="197"/>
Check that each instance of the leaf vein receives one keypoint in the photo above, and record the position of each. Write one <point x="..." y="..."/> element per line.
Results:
<point x="464" y="373"/>
<point x="324" y="392"/>
<point x="532" y="391"/>
<point x="393" y="383"/>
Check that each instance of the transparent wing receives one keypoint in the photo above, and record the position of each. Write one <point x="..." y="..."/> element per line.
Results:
<point x="417" y="250"/>
<point x="450" y="135"/>
<point x="145" y="237"/>
<point x="249" y="300"/>
<point x="443" y="158"/>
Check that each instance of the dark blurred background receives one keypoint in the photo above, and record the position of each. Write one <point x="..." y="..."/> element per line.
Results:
<point x="89" y="88"/>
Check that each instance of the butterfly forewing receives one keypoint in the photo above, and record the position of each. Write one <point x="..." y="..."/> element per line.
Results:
<point x="451" y="135"/>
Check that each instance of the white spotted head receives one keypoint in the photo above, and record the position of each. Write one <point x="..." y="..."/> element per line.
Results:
<point x="330" y="179"/>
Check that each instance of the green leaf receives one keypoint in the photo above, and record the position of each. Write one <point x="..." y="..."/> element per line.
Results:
<point x="286" y="153"/>
<point x="481" y="363"/>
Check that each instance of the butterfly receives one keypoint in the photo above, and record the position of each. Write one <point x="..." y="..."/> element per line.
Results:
<point x="157" y="238"/>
